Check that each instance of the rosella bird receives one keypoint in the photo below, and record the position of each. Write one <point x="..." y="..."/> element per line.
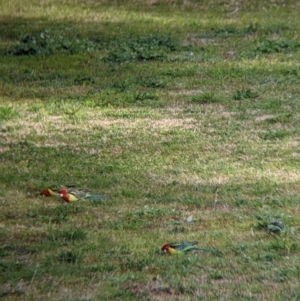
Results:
<point x="54" y="192"/>
<point x="73" y="195"/>
<point x="181" y="248"/>
<point x="49" y="192"/>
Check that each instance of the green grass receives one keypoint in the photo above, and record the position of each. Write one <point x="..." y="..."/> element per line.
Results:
<point x="188" y="125"/>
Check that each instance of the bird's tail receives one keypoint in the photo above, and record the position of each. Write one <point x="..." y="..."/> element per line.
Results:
<point x="95" y="197"/>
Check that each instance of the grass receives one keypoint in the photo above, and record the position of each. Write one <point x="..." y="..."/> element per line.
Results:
<point x="188" y="126"/>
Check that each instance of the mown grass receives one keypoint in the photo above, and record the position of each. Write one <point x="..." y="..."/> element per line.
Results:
<point x="184" y="114"/>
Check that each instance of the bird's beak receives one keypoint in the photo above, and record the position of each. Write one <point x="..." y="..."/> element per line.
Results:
<point x="163" y="252"/>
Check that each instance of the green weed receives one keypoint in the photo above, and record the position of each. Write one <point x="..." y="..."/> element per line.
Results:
<point x="47" y="42"/>
<point x="149" y="48"/>
<point x="206" y="97"/>
<point x="144" y="96"/>
<point x="244" y="94"/>
<point x="7" y="113"/>
<point x="274" y="46"/>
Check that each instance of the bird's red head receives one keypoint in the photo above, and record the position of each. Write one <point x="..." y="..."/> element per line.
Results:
<point x="165" y="248"/>
<point x="45" y="192"/>
<point x="63" y="194"/>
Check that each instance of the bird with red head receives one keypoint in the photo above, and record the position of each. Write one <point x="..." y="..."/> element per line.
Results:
<point x="49" y="192"/>
<point x="73" y="195"/>
<point x="181" y="248"/>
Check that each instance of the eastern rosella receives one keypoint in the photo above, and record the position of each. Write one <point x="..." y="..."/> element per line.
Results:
<point x="181" y="248"/>
<point x="54" y="192"/>
<point x="73" y="195"/>
<point x="49" y="192"/>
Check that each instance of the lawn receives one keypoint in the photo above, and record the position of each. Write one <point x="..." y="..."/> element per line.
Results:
<point x="184" y="114"/>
